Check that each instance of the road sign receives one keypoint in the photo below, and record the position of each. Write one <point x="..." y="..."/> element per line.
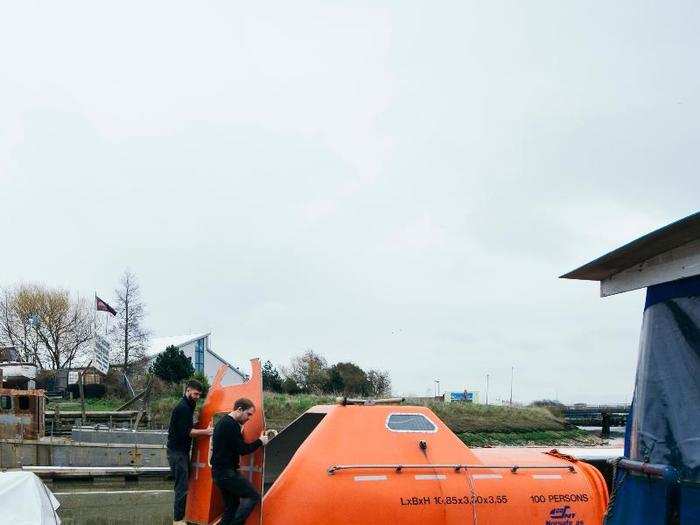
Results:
<point x="100" y="360"/>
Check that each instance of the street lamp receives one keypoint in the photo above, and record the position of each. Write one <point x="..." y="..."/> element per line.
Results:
<point x="512" y="373"/>
<point x="487" y="389"/>
<point x="437" y="387"/>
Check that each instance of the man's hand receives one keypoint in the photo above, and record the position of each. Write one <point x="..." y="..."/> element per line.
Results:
<point x="201" y="432"/>
<point x="264" y="438"/>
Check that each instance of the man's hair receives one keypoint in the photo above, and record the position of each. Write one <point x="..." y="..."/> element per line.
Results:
<point x="243" y="403"/>
<point x="195" y="385"/>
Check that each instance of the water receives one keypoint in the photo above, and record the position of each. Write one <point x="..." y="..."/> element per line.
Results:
<point x="109" y="505"/>
<point x="617" y="435"/>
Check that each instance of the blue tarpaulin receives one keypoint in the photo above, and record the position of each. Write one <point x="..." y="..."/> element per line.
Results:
<point x="664" y="425"/>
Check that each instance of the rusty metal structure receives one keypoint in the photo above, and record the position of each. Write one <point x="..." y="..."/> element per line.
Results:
<point x="21" y="414"/>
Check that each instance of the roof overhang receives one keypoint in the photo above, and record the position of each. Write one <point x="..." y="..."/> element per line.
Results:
<point x="667" y="254"/>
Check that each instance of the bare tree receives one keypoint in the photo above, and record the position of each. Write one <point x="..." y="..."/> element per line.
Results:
<point x="379" y="383"/>
<point x="129" y="334"/>
<point x="46" y="325"/>
<point x="309" y="371"/>
<point x="16" y="329"/>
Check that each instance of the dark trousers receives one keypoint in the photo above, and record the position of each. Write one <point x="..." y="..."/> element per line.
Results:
<point x="240" y="497"/>
<point x="180" y="469"/>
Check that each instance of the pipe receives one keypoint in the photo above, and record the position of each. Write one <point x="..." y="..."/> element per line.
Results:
<point x="456" y="466"/>
<point x="665" y="472"/>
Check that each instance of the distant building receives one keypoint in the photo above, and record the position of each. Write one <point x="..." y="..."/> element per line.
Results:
<point x="198" y="348"/>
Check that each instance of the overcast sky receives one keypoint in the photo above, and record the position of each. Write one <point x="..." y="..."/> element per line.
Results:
<point x="396" y="184"/>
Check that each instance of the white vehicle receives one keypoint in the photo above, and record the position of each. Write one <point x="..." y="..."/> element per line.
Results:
<point x="26" y="500"/>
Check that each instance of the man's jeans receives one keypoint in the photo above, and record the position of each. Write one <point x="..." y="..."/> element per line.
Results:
<point x="235" y="489"/>
<point x="180" y="468"/>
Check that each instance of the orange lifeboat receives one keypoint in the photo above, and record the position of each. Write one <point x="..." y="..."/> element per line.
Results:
<point x="358" y="464"/>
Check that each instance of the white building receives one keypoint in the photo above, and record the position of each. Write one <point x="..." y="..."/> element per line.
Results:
<point x="198" y="348"/>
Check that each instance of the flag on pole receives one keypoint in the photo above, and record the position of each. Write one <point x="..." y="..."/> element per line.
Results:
<point x="103" y="306"/>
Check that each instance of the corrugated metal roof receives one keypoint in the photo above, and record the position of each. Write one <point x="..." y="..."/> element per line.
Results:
<point x="655" y="243"/>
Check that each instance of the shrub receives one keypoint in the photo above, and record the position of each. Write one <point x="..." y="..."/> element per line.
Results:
<point x="272" y="381"/>
<point x="202" y="378"/>
<point x="172" y="365"/>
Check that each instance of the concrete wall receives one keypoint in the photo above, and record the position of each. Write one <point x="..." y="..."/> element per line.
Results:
<point x="121" y="436"/>
<point x="60" y="452"/>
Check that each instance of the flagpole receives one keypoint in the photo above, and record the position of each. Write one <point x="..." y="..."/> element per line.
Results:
<point x="96" y="310"/>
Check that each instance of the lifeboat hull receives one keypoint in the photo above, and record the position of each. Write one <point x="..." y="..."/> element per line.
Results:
<point x="390" y="478"/>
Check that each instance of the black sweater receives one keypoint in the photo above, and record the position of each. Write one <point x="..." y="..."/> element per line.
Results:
<point x="228" y="445"/>
<point x="179" y="439"/>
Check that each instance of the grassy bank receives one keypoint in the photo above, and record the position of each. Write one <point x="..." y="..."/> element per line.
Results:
<point x="475" y="425"/>
<point x="282" y="409"/>
<point x="481" y="425"/>
<point x="531" y="438"/>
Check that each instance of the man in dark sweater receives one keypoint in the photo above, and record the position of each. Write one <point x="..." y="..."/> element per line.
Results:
<point x="227" y="447"/>
<point x="180" y="434"/>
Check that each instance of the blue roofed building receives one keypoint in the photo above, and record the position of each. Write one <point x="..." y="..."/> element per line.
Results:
<point x="198" y="348"/>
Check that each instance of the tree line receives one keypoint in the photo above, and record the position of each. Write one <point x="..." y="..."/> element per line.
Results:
<point x="310" y="373"/>
<point x="54" y="328"/>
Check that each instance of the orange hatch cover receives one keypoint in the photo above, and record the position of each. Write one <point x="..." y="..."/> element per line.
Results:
<point x="204" y="505"/>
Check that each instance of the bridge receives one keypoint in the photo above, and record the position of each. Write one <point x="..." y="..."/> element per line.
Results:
<point x="604" y="416"/>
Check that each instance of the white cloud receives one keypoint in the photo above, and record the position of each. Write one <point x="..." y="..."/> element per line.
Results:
<point x="392" y="184"/>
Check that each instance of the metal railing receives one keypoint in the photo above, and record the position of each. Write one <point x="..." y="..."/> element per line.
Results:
<point x="455" y="466"/>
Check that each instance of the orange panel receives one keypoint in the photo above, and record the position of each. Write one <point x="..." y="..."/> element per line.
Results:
<point x="204" y="505"/>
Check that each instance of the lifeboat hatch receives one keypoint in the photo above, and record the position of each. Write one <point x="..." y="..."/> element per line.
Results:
<point x="204" y="504"/>
<point x="282" y="448"/>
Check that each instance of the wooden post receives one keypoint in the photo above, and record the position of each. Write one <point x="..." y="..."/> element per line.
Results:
<point x="82" y="399"/>
<point x="81" y="382"/>
<point x="145" y="399"/>
<point x="605" y="431"/>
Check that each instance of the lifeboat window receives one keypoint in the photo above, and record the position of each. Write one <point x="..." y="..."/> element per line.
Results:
<point x="5" y="403"/>
<point x="401" y="422"/>
<point x="24" y="402"/>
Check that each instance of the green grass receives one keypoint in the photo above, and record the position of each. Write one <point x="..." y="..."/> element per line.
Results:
<point x="105" y="403"/>
<point x="161" y="409"/>
<point x="463" y="417"/>
<point x="475" y="425"/>
<point x="571" y="437"/>
<point x="282" y="409"/>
